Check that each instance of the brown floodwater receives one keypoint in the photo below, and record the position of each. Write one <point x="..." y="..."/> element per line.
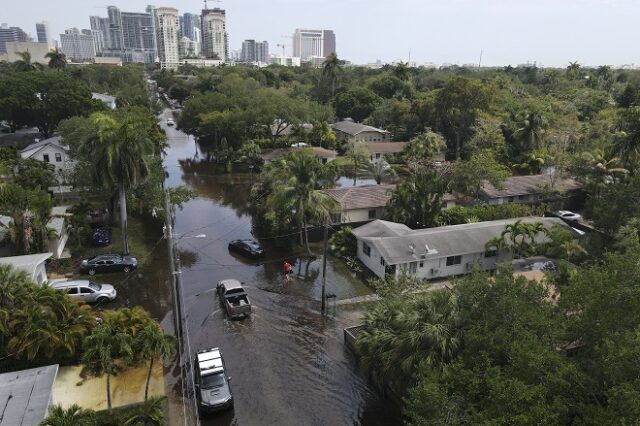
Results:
<point x="288" y="363"/>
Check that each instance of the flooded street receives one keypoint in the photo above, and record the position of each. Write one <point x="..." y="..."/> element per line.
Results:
<point x="288" y="364"/>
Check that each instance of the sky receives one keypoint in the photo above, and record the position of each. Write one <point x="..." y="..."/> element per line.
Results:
<point x="548" y="32"/>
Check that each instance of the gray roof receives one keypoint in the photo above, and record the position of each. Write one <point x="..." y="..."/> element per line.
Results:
<point x="361" y="197"/>
<point x="399" y="244"/>
<point x="51" y="141"/>
<point x="25" y="395"/>
<point x="527" y="185"/>
<point x="103" y="97"/>
<point x="352" y="128"/>
<point x="26" y="263"/>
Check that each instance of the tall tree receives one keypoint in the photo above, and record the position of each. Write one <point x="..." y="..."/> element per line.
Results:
<point x="379" y="170"/>
<point x="57" y="59"/>
<point x="359" y="155"/>
<point x="150" y="344"/>
<point x="417" y="201"/>
<point x="25" y="63"/>
<point x="331" y="68"/>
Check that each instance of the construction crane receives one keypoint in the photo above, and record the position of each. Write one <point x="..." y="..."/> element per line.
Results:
<point x="206" y="6"/>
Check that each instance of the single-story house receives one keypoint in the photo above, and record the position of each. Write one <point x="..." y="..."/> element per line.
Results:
<point x="526" y="189"/>
<point x="367" y="202"/>
<point x="279" y="129"/>
<point x="109" y="101"/>
<point x="58" y="223"/>
<point x="322" y="154"/>
<point x="393" y="248"/>
<point x="379" y="149"/>
<point x="25" y="395"/>
<point x="349" y="129"/>
<point x="32" y="264"/>
<point x="51" y="151"/>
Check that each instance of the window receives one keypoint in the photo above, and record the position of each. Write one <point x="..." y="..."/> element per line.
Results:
<point x="366" y="249"/>
<point x="58" y="157"/>
<point x="491" y="253"/>
<point x="454" y="260"/>
<point x="382" y="262"/>
<point x="413" y="267"/>
<point x="372" y="214"/>
<point x="377" y="155"/>
<point x="511" y="199"/>
<point x="72" y="290"/>
<point x="422" y="264"/>
<point x="45" y="157"/>
<point x="85" y="290"/>
<point x="522" y="197"/>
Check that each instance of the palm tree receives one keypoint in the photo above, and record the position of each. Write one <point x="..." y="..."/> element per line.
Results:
<point x="57" y="59"/>
<point x="14" y="286"/>
<point x="358" y="154"/>
<point x="121" y="151"/>
<point x="72" y="416"/>
<point x="151" y="343"/>
<point x="40" y="207"/>
<point x="323" y="134"/>
<point x="530" y="130"/>
<point x="101" y="350"/>
<point x="296" y="187"/>
<point x="14" y="202"/>
<point x="603" y="168"/>
<point x="149" y="413"/>
<point x="520" y="236"/>
<point x="24" y="63"/>
<point x="331" y="67"/>
<point x="379" y="170"/>
<point x="417" y="201"/>
<point x="627" y="144"/>
<point x="402" y="71"/>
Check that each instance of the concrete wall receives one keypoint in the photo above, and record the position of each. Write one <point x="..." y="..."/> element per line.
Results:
<point x="40" y="276"/>
<point x="38" y="51"/>
<point x="57" y="244"/>
<point x="372" y="261"/>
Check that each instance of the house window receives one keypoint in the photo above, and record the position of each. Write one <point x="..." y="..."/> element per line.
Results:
<point x="413" y="268"/>
<point x="454" y="260"/>
<point x="491" y="253"/>
<point x="511" y="199"/>
<point x="372" y="214"/>
<point x="366" y="249"/>
<point x="377" y="155"/>
<point x="522" y="197"/>
<point x="335" y="218"/>
<point x="58" y="157"/>
<point x="382" y="262"/>
<point x="45" y="157"/>
<point x="422" y="264"/>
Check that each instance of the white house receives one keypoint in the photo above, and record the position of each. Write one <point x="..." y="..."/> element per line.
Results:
<point x="51" y="151"/>
<point x="32" y="264"/>
<point x="349" y="129"/>
<point x="379" y="149"/>
<point x="360" y="203"/>
<point x="393" y="248"/>
<point x="58" y="223"/>
<point x="109" y="101"/>
<point x="526" y="189"/>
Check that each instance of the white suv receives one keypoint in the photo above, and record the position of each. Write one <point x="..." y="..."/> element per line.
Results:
<point x="86" y="290"/>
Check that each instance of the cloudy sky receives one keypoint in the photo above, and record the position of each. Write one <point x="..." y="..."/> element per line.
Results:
<point x="551" y="32"/>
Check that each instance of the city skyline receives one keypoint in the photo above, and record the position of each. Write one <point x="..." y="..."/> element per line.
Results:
<point x="507" y="32"/>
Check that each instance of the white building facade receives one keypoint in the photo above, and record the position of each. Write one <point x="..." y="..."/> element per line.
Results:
<point x="77" y="46"/>
<point x="215" y="40"/>
<point x="167" y="26"/>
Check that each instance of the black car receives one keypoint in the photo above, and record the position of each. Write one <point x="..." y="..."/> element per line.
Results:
<point x="108" y="263"/>
<point x="101" y="237"/>
<point x="249" y="248"/>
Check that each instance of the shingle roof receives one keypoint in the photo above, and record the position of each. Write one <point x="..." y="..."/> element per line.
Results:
<point x="25" y="395"/>
<point x="51" y="141"/>
<point x="385" y="147"/>
<point x="352" y="128"/>
<point x="361" y="197"/>
<point x="399" y="244"/>
<point x="526" y="185"/>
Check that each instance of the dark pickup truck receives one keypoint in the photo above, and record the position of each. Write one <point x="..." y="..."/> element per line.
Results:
<point x="234" y="298"/>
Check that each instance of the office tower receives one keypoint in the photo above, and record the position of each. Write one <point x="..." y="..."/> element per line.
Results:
<point x="127" y="35"/>
<point x="215" y="41"/>
<point x="8" y="34"/>
<point x="168" y="36"/>
<point x="42" y="31"/>
<point x="100" y="29"/>
<point x="115" y="37"/>
<point x="78" y="46"/>
<point x="188" y="23"/>
<point x="253" y="51"/>
<point x="309" y="44"/>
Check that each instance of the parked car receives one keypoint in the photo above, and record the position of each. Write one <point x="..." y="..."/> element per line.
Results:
<point x="108" y="263"/>
<point x="101" y="237"/>
<point x="568" y="215"/>
<point x="249" y="248"/>
<point x="234" y="298"/>
<point x="213" y="391"/>
<point x="86" y="290"/>
<point x="298" y="145"/>
<point x="170" y="122"/>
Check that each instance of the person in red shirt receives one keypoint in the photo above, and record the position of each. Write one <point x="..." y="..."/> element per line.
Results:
<point x="288" y="269"/>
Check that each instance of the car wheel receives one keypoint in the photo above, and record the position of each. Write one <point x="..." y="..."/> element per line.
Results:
<point x="127" y="269"/>
<point x="102" y="300"/>
<point x="92" y="271"/>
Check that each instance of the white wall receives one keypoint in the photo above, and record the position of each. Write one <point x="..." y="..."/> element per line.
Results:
<point x="517" y="199"/>
<point x="360" y="215"/>
<point x="40" y="276"/>
<point x="373" y="261"/>
<point x="58" y="243"/>
<point x="372" y="137"/>
<point x="51" y="150"/>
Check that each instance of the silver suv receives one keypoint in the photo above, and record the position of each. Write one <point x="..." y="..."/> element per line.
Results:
<point x="86" y="290"/>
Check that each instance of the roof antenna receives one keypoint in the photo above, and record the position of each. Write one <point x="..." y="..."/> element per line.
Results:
<point x="205" y="5"/>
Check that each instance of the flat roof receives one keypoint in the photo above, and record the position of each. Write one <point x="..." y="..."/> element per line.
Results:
<point x="25" y="395"/>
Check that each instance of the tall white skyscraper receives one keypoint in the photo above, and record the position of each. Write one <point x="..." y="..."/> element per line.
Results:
<point x="43" y="34"/>
<point x="167" y="24"/>
<point x="215" y="41"/>
<point x="308" y="44"/>
<point x="78" y="46"/>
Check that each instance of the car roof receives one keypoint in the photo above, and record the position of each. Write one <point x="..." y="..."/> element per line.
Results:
<point x="231" y="283"/>
<point x="68" y="283"/>
<point x="210" y="361"/>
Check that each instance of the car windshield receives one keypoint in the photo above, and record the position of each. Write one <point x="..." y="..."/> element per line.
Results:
<point x="212" y="381"/>
<point x="94" y="286"/>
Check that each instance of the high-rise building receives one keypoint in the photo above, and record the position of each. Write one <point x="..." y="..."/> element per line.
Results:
<point x="78" y="46"/>
<point x="188" y="23"/>
<point x="127" y="35"/>
<point x="215" y="41"/>
<point x="308" y="44"/>
<point x="116" y="39"/>
<point x="42" y="31"/>
<point x="254" y="51"/>
<point x="100" y="29"/>
<point x="167" y="26"/>
<point x="8" y="33"/>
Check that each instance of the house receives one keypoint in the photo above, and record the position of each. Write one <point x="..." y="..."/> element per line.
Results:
<point x="280" y="128"/>
<point x="32" y="264"/>
<point x="348" y="129"/>
<point x="379" y="149"/>
<point x="393" y="248"/>
<point x="25" y="395"/>
<point x="527" y="189"/>
<point x="109" y="101"/>
<point x="51" y="151"/>
<point x="58" y="223"/>
<point x="360" y="203"/>
<point x="324" y="155"/>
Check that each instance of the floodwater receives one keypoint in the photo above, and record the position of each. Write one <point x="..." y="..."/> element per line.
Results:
<point x="288" y="363"/>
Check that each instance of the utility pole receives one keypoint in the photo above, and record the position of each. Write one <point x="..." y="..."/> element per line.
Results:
<point x="323" y="307"/>
<point x="175" y="273"/>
